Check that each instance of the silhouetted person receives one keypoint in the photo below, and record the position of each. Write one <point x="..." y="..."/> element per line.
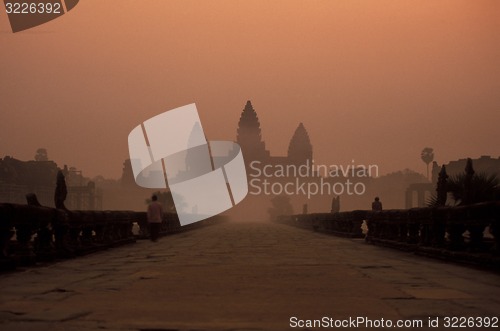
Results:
<point x="155" y="214"/>
<point x="377" y="205"/>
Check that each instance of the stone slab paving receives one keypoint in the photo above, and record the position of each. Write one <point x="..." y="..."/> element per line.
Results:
<point x="241" y="276"/>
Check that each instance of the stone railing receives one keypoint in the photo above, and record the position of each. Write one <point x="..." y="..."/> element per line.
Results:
<point x="464" y="233"/>
<point x="30" y="234"/>
<point x="345" y="224"/>
<point x="469" y="234"/>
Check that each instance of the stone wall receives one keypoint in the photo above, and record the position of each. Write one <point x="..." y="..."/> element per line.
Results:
<point x="466" y="234"/>
<point x="31" y="234"/>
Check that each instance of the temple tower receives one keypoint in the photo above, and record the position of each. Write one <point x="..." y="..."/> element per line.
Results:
<point x="300" y="148"/>
<point x="249" y="136"/>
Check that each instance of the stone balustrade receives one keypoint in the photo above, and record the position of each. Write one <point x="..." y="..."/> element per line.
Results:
<point x="30" y="234"/>
<point x="345" y="224"/>
<point x="464" y="233"/>
<point x="469" y="234"/>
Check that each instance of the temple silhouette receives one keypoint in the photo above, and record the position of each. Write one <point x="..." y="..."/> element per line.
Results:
<point x="398" y="189"/>
<point x="249" y="137"/>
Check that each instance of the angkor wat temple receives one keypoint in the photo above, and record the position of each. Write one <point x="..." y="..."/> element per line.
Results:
<point x="249" y="137"/>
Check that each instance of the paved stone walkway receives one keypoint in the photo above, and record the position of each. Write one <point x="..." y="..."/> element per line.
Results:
<point x="240" y="276"/>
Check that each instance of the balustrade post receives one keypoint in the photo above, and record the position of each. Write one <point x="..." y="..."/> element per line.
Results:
<point x="356" y="223"/>
<point x="27" y="221"/>
<point x="100" y="222"/>
<point x="6" y="228"/>
<point x="425" y="219"/>
<point x="403" y="226"/>
<point x="143" y="225"/>
<point x="456" y="228"/>
<point x="74" y="230"/>
<point x="476" y="232"/>
<point x="61" y="234"/>
<point x="88" y="225"/>
<point x="439" y="219"/>
<point x="495" y="228"/>
<point x="413" y="227"/>
<point x="478" y="216"/>
<point x="44" y="245"/>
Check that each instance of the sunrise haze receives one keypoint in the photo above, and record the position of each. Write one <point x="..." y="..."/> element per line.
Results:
<point x="373" y="81"/>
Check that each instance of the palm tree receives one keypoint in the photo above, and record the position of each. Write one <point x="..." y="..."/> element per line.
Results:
<point x="427" y="156"/>
<point x="466" y="188"/>
<point x="481" y="187"/>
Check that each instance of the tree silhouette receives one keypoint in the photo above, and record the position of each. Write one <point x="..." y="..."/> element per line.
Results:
<point x="466" y="188"/>
<point x="427" y="156"/>
<point x="470" y="187"/>
<point x="61" y="191"/>
<point x="439" y="199"/>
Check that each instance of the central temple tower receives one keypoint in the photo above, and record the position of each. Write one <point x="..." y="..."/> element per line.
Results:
<point x="249" y="136"/>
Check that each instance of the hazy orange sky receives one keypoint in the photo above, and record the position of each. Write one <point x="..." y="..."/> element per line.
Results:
<point x="373" y="81"/>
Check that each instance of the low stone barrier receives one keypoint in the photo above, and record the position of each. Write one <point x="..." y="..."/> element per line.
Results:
<point x="345" y="224"/>
<point x="30" y="234"/>
<point x="466" y="234"/>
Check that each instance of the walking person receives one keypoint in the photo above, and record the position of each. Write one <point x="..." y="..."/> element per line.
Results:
<point x="155" y="215"/>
